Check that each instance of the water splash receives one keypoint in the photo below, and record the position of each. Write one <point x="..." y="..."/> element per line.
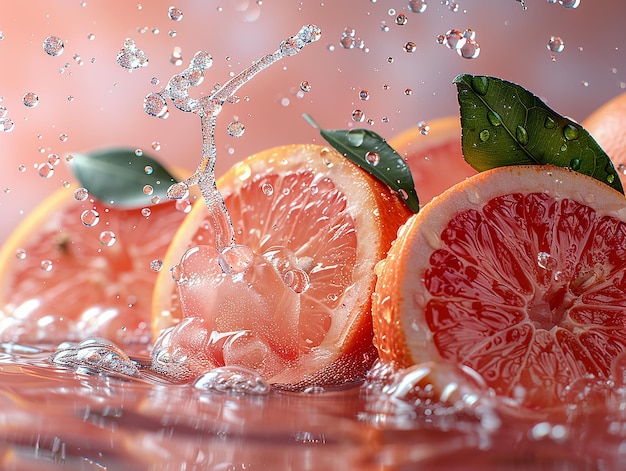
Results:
<point x="208" y="108"/>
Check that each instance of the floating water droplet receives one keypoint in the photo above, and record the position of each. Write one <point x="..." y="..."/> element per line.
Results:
<point x="53" y="46"/>
<point x="183" y="205"/>
<point x="454" y="39"/>
<point x="81" y="194"/>
<point x="155" y="199"/>
<point x="45" y="170"/>
<point x="63" y="137"/>
<point x="305" y="86"/>
<point x="401" y="19"/>
<point x="570" y="132"/>
<point x="53" y="159"/>
<point x="233" y="380"/>
<point x="423" y="128"/>
<point x="267" y="189"/>
<point x="469" y="50"/>
<point x="156" y="145"/>
<point x="6" y="125"/>
<point x="156" y="265"/>
<point x="148" y="170"/>
<point x="146" y="212"/>
<point x="555" y="44"/>
<point x="372" y="158"/>
<point x="175" y="14"/>
<point x="236" y="128"/>
<point x="155" y="105"/>
<point x="20" y="254"/>
<point x="570" y="3"/>
<point x="417" y="6"/>
<point x="364" y="95"/>
<point x="358" y="116"/>
<point x="107" y="238"/>
<point x="90" y="217"/>
<point x="409" y="46"/>
<point x="384" y="26"/>
<point x="408" y="91"/>
<point x="130" y="56"/>
<point x="46" y="265"/>
<point x="484" y="135"/>
<point x="148" y="189"/>
<point x="30" y="99"/>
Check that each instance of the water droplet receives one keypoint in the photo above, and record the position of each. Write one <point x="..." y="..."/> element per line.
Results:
<point x="236" y="258"/>
<point x="148" y="189"/>
<point x="267" y="189"/>
<point x="522" y="135"/>
<point x="146" y="212"/>
<point x="138" y="152"/>
<point x="484" y="135"/>
<point x="155" y="105"/>
<point x="555" y="44"/>
<point x="480" y="84"/>
<point x="305" y="86"/>
<point x="364" y="95"/>
<point x="107" y="238"/>
<point x="570" y="132"/>
<point x="175" y="14"/>
<point x="469" y="50"/>
<point x="81" y="194"/>
<point x="232" y="380"/>
<point x="403" y="194"/>
<point x="494" y="118"/>
<point x="53" y="159"/>
<point x="130" y="56"/>
<point x="90" y="217"/>
<point x="356" y="137"/>
<point x="155" y="199"/>
<point x="423" y="127"/>
<point x="45" y="170"/>
<point x="156" y="265"/>
<point x="63" y="137"/>
<point x="409" y="47"/>
<point x="570" y="3"/>
<point x="358" y="116"/>
<point x="610" y="178"/>
<point x="575" y="164"/>
<point x="384" y="26"/>
<point x="372" y="158"/>
<point x="20" y="254"/>
<point x="183" y="205"/>
<point x="454" y="39"/>
<point x="46" y="265"/>
<point x="53" y="46"/>
<point x="236" y="128"/>
<point x="417" y="6"/>
<point x="549" y="123"/>
<point x="202" y="60"/>
<point x="30" y="99"/>
<point x="156" y="145"/>
<point x="6" y="125"/>
<point x="401" y="19"/>
<point x="408" y="91"/>
<point x="148" y="170"/>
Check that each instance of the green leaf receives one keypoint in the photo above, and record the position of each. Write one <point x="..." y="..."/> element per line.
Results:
<point x="117" y="177"/>
<point x="504" y="124"/>
<point x="372" y="153"/>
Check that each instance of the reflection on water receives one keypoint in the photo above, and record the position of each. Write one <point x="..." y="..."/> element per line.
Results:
<point x="91" y="418"/>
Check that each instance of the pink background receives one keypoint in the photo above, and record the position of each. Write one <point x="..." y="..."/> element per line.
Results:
<point x="107" y="106"/>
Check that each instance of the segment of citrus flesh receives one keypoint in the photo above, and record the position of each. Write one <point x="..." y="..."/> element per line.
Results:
<point x="64" y="281"/>
<point x="518" y="273"/>
<point x="606" y="125"/>
<point x="316" y="226"/>
<point x="434" y="156"/>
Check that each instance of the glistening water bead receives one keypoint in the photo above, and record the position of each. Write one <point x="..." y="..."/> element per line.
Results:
<point x="555" y="44"/>
<point x="30" y="99"/>
<point x="53" y="46"/>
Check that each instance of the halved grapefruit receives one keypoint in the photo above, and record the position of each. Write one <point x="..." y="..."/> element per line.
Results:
<point x="518" y="273"/>
<point x="307" y="207"/>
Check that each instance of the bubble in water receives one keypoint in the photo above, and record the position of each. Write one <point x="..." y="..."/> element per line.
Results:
<point x="46" y="265"/>
<point x="6" y="125"/>
<point x="107" y="238"/>
<point x="305" y="86"/>
<point x="156" y="265"/>
<point x="409" y="47"/>
<point x="555" y="44"/>
<point x="20" y="254"/>
<point x="90" y="217"/>
<point x="372" y="158"/>
<point x="232" y="379"/>
<point x="358" y="116"/>
<point x="175" y="14"/>
<point x="417" y="6"/>
<point x="30" y="99"/>
<point x="236" y="128"/>
<point x="53" y="46"/>
<point x="45" y="170"/>
<point x="81" y="194"/>
<point x="94" y="356"/>
<point x="130" y="56"/>
<point x="154" y="104"/>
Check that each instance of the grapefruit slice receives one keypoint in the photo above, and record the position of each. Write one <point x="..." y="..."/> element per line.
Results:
<point x="311" y="208"/>
<point x="518" y="273"/>
<point x="435" y="158"/>
<point x="64" y="281"/>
